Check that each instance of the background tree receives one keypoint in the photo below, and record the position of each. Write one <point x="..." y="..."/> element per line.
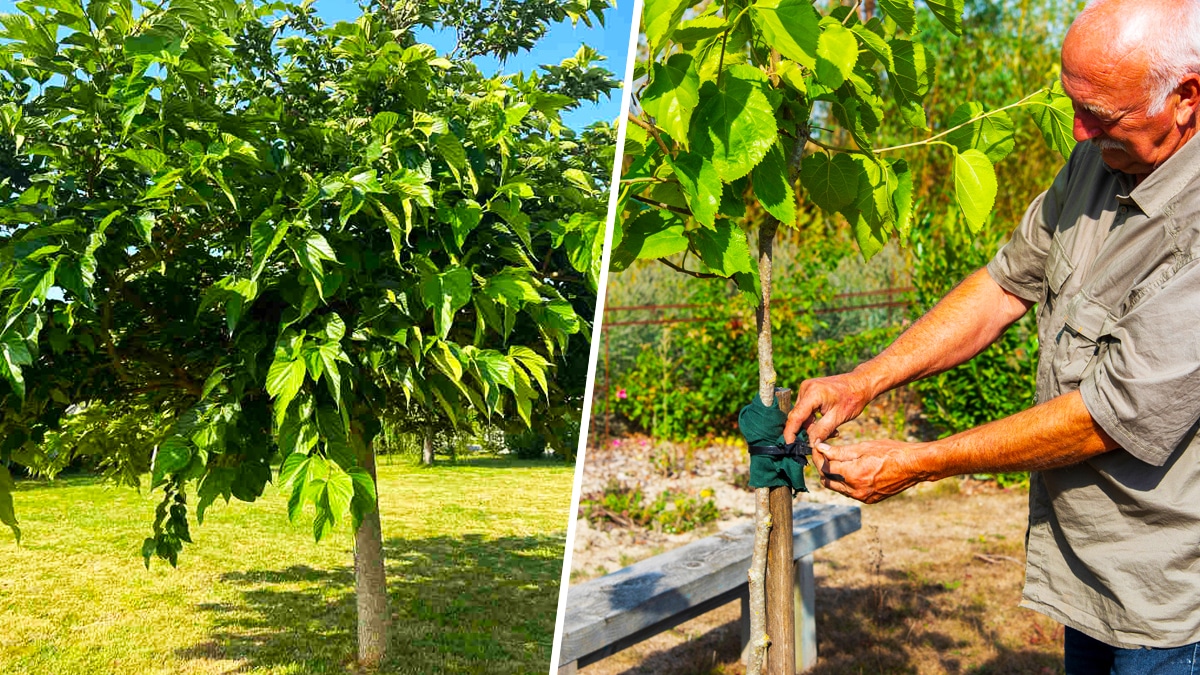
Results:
<point x="269" y="231"/>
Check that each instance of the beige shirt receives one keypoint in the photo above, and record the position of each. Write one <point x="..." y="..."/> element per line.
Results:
<point x="1114" y="542"/>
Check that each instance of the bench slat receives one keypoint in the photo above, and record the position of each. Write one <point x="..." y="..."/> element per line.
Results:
<point x="604" y="614"/>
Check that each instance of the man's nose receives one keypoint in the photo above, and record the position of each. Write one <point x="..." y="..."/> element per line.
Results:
<point x="1086" y="127"/>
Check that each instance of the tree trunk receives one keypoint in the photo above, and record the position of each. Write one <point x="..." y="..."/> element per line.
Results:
<point x="761" y="636"/>
<point x="370" y="581"/>
<point x="427" y="448"/>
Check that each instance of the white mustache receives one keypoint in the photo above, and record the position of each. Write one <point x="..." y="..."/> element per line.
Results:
<point x="1107" y="144"/>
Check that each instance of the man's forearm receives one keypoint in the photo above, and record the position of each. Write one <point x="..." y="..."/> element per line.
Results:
<point x="1057" y="433"/>
<point x="962" y="324"/>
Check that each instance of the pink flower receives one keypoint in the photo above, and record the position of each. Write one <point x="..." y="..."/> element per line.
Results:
<point x="621" y="393"/>
<point x="616" y="442"/>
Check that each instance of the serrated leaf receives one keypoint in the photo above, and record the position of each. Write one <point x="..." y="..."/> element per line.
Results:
<point x="789" y="26"/>
<point x="902" y="196"/>
<point x="172" y="455"/>
<point x="875" y="44"/>
<point x="949" y="13"/>
<point x="723" y="250"/>
<point x="284" y="379"/>
<point x="1054" y="116"/>
<point x="659" y="18"/>
<point x="444" y="294"/>
<point x="974" y="187"/>
<point x="653" y="234"/>
<point x="462" y="218"/>
<point x="903" y="12"/>
<point x="672" y="95"/>
<point x="265" y="236"/>
<point x="991" y="135"/>
<point x="511" y="287"/>
<point x="144" y="224"/>
<point x="831" y="183"/>
<point x="837" y="52"/>
<point x="772" y="187"/>
<point x="792" y="75"/>
<point x="734" y="125"/>
<point x="384" y="122"/>
<point x="339" y="490"/>
<point x="699" y="28"/>
<point x="914" y="69"/>
<point x="701" y="186"/>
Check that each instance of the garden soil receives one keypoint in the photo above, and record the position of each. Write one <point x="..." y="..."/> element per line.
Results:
<point x="930" y="584"/>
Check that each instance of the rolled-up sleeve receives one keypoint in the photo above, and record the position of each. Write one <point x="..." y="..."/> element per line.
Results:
<point x="1145" y="388"/>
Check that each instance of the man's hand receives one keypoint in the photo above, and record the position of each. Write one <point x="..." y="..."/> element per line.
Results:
<point x="838" y="399"/>
<point x="870" y="471"/>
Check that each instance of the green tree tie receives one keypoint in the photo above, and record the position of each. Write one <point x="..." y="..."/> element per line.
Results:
<point x="773" y="462"/>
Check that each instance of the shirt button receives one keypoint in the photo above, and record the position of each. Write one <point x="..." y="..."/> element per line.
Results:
<point x="1123" y="210"/>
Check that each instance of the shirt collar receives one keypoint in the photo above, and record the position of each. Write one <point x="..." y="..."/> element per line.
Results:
<point x="1168" y="180"/>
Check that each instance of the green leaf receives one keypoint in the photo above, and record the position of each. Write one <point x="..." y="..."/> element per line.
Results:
<point x="384" y="121"/>
<point x="673" y="95"/>
<point x="903" y="12"/>
<point x="832" y="183"/>
<point x="150" y="159"/>
<point x="363" y="485"/>
<point x="266" y="233"/>
<point x="511" y="287"/>
<point x="172" y="455"/>
<point x="445" y="294"/>
<point x="446" y="361"/>
<point x="284" y="379"/>
<point x="659" y="18"/>
<point x="974" y="186"/>
<point x="144" y="224"/>
<point x="874" y="44"/>
<point x="837" y="52"/>
<point x="699" y="28"/>
<point x="701" y="186"/>
<point x="533" y="362"/>
<point x="723" y="250"/>
<point x="8" y="514"/>
<point x="1055" y="118"/>
<point x="455" y="155"/>
<point x="734" y="125"/>
<point x="991" y="135"/>
<point x="653" y="234"/>
<point x="914" y="71"/>
<point x="339" y="490"/>
<point x="792" y="75"/>
<point x="462" y="218"/>
<point x="772" y="187"/>
<point x="789" y="26"/>
<point x="949" y="13"/>
<point x="902" y="196"/>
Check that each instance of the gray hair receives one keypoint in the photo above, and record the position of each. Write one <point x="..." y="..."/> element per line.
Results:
<point x="1167" y="32"/>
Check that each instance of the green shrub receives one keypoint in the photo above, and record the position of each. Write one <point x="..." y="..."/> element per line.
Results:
<point x="670" y="512"/>
<point x="526" y="444"/>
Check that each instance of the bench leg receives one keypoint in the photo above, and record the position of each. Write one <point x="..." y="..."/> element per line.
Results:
<point x="804" y="605"/>
<point x="569" y="668"/>
<point x="744" y="625"/>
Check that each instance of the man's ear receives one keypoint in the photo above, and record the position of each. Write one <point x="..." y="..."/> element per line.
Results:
<point x="1189" y="100"/>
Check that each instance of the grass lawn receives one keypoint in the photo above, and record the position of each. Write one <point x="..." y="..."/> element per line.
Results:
<point x="474" y="553"/>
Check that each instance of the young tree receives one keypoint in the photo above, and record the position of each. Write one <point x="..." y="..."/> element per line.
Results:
<point x="746" y="107"/>
<point x="269" y="231"/>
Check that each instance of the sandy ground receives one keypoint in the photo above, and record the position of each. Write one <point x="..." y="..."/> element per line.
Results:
<point x="931" y="584"/>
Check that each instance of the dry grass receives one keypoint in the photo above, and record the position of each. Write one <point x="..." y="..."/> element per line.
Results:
<point x="931" y="584"/>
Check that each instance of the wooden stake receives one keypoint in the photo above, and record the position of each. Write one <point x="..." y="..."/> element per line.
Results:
<point x="781" y="618"/>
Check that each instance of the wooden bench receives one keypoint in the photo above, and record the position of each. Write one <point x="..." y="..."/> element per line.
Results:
<point x="616" y="611"/>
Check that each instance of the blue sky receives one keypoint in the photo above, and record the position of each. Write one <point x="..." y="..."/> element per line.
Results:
<point x="560" y="42"/>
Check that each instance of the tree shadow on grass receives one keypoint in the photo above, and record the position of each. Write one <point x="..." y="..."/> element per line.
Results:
<point x="459" y="605"/>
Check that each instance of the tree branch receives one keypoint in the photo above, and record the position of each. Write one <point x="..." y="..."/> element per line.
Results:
<point x="690" y="273"/>
<point x="653" y="132"/>
<point x="662" y="205"/>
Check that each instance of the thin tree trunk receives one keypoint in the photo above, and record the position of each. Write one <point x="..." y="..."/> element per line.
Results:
<point x="370" y="580"/>
<point x="427" y="448"/>
<point x="759" y="638"/>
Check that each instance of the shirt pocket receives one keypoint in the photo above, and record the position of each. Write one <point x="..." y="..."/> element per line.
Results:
<point x="1084" y="336"/>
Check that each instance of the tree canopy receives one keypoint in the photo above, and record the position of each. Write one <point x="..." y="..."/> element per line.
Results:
<point x="247" y="233"/>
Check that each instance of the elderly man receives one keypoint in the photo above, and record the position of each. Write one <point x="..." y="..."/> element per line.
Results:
<point x="1111" y="256"/>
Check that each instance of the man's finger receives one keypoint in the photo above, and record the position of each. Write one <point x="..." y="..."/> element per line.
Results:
<point x="799" y="415"/>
